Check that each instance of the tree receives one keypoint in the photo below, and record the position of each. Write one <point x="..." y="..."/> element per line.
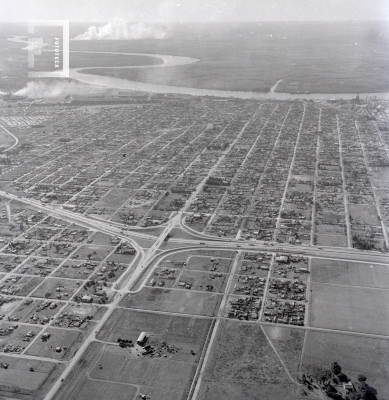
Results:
<point x="336" y="369"/>
<point x="362" y="378"/>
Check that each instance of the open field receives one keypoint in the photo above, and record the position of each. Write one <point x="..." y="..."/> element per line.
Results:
<point x="350" y="308"/>
<point x="289" y="344"/>
<point x="249" y="391"/>
<point x="69" y="340"/>
<point x="350" y="273"/>
<point x="172" y="373"/>
<point x="242" y="353"/>
<point x="18" y="382"/>
<point x="105" y="372"/>
<point x="355" y="354"/>
<point x="243" y="365"/>
<point x="363" y="214"/>
<point x="177" y="301"/>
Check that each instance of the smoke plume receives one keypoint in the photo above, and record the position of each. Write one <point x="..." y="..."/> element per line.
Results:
<point x="39" y="90"/>
<point x="119" y="29"/>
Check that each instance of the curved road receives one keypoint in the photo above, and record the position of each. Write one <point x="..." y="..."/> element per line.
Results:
<point x="16" y="139"/>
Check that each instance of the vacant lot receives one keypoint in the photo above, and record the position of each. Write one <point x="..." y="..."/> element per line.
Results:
<point x="350" y="273"/>
<point x="177" y="301"/>
<point x="201" y="263"/>
<point x="289" y="344"/>
<point x="242" y="353"/>
<point x="350" y="308"/>
<point x="355" y="354"/>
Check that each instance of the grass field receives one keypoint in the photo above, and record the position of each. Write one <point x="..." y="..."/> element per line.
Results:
<point x="356" y="354"/>
<point x="176" y="301"/>
<point x="350" y="308"/>
<point x="350" y="273"/>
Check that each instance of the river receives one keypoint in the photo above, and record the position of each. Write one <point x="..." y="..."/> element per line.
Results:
<point x="125" y="84"/>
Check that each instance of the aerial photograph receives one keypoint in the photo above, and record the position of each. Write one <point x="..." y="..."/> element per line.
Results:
<point x="194" y="200"/>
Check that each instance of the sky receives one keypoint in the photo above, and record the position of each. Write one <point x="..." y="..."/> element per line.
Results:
<point x="176" y="11"/>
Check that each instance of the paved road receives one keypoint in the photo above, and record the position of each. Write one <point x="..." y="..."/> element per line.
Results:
<point x="147" y="257"/>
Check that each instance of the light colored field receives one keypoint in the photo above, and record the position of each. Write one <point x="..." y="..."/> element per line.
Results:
<point x="355" y="354"/>
<point x="350" y="308"/>
<point x="177" y="301"/>
<point x="350" y="273"/>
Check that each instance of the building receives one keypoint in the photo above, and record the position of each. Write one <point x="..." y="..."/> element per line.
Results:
<point x="142" y="339"/>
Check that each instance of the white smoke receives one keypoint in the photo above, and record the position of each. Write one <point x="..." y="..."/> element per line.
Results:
<point x="47" y="90"/>
<point x="119" y="29"/>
